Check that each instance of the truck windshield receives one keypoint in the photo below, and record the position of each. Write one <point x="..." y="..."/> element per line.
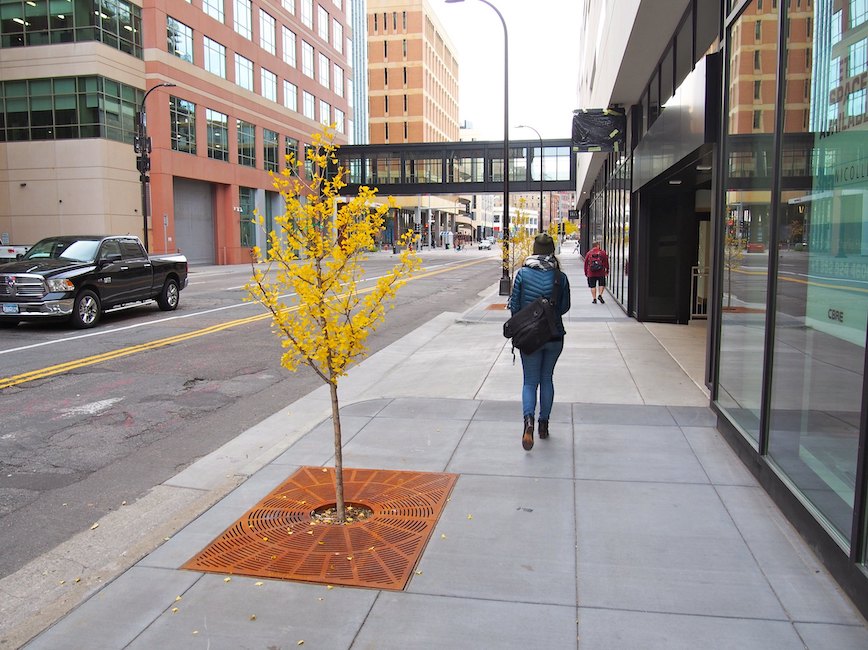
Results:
<point x="82" y="250"/>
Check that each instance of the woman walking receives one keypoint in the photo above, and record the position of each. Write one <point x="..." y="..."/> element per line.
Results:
<point x="534" y="279"/>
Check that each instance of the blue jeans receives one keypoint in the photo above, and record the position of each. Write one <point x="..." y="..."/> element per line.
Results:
<point x="538" y="369"/>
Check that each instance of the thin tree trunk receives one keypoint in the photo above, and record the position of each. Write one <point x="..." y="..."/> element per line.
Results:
<point x="729" y="286"/>
<point x="339" y="460"/>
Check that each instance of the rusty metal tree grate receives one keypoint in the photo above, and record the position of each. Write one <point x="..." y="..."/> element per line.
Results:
<point x="278" y="539"/>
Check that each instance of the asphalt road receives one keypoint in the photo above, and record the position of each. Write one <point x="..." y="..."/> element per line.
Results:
<point x="92" y="420"/>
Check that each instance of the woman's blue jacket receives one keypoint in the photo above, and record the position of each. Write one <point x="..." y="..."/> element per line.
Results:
<point x="531" y="283"/>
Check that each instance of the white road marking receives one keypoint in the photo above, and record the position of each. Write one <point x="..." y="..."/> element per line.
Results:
<point x="91" y="409"/>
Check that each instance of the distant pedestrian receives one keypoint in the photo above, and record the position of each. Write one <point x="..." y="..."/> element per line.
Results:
<point x="596" y="270"/>
<point x="534" y="279"/>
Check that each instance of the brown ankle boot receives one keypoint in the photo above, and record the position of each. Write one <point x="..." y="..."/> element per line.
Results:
<point x="527" y="436"/>
<point x="543" y="429"/>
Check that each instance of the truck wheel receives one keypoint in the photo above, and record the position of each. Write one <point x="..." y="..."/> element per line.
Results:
<point x="168" y="298"/>
<point x="86" y="310"/>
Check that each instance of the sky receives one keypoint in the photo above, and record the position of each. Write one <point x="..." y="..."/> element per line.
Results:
<point x="543" y="64"/>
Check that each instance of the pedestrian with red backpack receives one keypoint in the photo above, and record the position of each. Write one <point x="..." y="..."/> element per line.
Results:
<point x="596" y="270"/>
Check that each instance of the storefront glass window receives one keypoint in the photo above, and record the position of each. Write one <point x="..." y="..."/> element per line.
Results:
<point x="747" y="191"/>
<point x="822" y="281"/>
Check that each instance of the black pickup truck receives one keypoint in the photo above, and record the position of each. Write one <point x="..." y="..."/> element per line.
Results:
<point x="78" y="278"/>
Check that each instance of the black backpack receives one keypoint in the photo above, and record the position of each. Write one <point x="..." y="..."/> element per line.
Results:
<point x="596" y="264"/>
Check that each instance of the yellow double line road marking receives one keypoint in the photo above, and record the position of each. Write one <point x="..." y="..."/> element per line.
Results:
<point x="23" y="378"/>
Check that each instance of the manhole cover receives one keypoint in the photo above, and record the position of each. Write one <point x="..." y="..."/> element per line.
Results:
<point x="278" y="539"/>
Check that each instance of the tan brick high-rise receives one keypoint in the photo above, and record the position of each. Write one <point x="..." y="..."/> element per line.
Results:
<point x="412" y="74"/>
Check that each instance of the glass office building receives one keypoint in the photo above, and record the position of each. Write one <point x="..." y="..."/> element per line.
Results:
<point x="741" y="199"/>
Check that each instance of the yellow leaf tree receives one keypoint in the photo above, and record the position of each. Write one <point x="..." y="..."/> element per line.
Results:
<point x="315" y="251"/>
<point x="520" y="241"/>
<point x="733" y="255"/>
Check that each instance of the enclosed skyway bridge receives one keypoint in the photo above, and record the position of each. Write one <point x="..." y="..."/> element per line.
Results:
<point x="474" y="167"/>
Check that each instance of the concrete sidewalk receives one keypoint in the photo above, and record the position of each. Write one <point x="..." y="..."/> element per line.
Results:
<point x="633" y="526"/>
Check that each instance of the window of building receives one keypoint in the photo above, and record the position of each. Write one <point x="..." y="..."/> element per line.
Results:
<point x="267" y="32"/>
<point x="218" y="135"/>
<point x="243" y="18"/>
<point x="338" y="80"/>
<point x="308" y="105"/>
<point x="385" y="77"/>
<point x="758" y="119"/>
<point x="291" y="148"/>
<point x="349" y="95"/>
<point x="270" y="141"/>
<point x="857" y="61"/>
<point x="116" y="23"/>
<point x="404" y="48"/>
<point x="322" y="23"/>
<point x="758" y="30"/>
<point x="325" y="113"/>
<point x="404" y="20"/>
<point x="290" y="95"/>
<point x="215" y="58"/>
<point x="405" y="103"/>
<point x="213" y="8"/>
<point x="858" y="12"/>
<point x="268" y="81"/>
<point x="405" y="75"/>
<point x="386" y="104"/>
<point x="707" y="25"/>
<point x="375" y="23"/>
<point x="183" y="119"/>
<point x="307" y="59"/>
<point x="836" y="27"/>
<point x="243" y="72"/>
<point x="307" y="13"/>
<point x="386" y="130"/>
<point x="337" y="35"/>
<point x="340" y="121"/>
<point x="653" y="99"/>
<point x="818" y="454"/>
<point x="289" y="5"/>
<point x="289" y="47"/>
<point x="405" y="131"/>
<point x="325" y="67"/>
<point x="757" y="61"/>
<point x="179" y="39"/>
<point x="757" y="89"/>
<point x="856" y="103"/>
<point x="246" y="143"/>
<point x="68" y="108"/>
<point x="835" y="72"/>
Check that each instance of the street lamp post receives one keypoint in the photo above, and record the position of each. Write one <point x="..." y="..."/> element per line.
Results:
<point x="524" y="126"/>
<point x="142" y="146"/>
<point x="505" y="280"/>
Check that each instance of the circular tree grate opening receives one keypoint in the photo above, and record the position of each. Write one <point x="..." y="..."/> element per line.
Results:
<point x="354" y="513"/>
<point x="280" y="537"/>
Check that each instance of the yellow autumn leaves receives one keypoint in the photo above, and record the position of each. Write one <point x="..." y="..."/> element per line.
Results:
<point x="314" y="251"/>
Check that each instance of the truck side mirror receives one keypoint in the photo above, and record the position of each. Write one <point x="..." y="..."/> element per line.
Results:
<point x="111" y="258"/>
